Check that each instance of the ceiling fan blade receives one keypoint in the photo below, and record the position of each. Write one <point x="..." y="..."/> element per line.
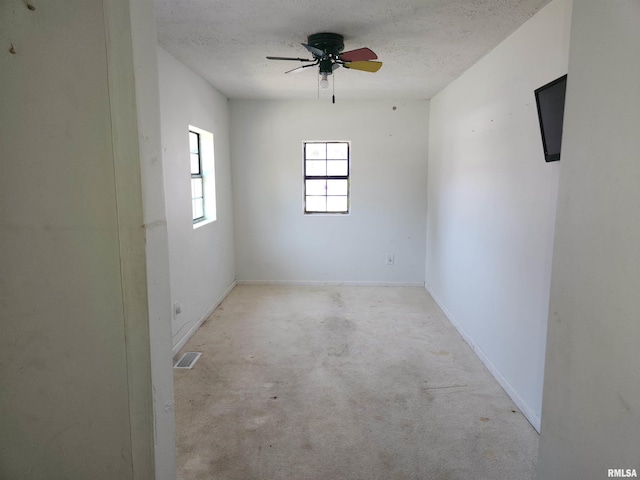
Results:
<point x="316" y="52"/>
<point x="358" y="55"/>
<point x="290" y="58"/>
<point x="364" y="66"/>
<point x="299" y="69"/>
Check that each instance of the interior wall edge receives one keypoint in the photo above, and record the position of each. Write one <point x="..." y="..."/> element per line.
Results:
<point x="131" y="238"/>
<point x="145" y="64"/>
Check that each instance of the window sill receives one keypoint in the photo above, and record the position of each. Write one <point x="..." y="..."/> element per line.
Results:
<point x="326" y="214"/>
<point x="203" y="223"/>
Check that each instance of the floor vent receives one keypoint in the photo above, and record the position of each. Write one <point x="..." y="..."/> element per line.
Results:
<point x="187" y="360"/>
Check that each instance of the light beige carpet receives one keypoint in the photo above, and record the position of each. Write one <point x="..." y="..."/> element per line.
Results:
<point x="322" y="383"/>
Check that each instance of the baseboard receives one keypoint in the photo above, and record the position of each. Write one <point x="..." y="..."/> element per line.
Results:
<point x="529" y="414"/>
<point x="329" y="283"/>
<point x="194" y="328"/>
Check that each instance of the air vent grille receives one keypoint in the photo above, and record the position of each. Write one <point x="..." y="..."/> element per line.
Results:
<point x="187" y="360"/>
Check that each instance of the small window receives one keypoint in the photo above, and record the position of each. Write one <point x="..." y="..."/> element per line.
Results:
<point x="203" y="178"/>
<point x="326" y="177"/>
<point x="197" y="180"/>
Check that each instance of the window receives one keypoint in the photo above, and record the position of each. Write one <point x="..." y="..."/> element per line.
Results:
<point x="203" y="185"/>
<point x="197" y="180"/>
<point x="326" y="177"/>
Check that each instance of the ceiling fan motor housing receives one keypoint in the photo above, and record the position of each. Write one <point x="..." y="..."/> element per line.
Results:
<point x="330" y="43"/>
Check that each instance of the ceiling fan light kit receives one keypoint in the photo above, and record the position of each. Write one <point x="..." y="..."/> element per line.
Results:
<point x="324" y="82"/>
<point x="326" y="49"/>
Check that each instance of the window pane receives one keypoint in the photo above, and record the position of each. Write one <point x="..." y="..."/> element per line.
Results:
<point x="338" y="167"/>
<point x="195" y="164"/>
<point x="315" y="150"/>
<point x="316" y="187"/>
<point x="323" y="160"/>
<point x="337" y="204"/>
<point x="338" y="150"/>
<point x="337" y="187"/>
<point x="193" y="142"/>
<point x="316" y="168"/>
<point x="316" y="204"/>
<point x="196" y="187"/>
<point x="198" y="207"/>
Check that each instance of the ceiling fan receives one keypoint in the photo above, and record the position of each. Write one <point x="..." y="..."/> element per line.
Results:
<point x="326" y="49"/>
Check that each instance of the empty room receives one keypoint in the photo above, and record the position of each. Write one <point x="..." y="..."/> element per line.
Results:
<point x="389" y="262"/>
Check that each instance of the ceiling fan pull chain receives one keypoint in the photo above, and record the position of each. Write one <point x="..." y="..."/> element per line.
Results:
<point x="333" y="83"/>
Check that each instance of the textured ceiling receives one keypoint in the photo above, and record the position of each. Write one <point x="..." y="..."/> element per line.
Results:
<point x="424" y="44"/>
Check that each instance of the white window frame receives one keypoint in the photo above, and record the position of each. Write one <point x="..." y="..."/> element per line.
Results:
<point x="196" y="174"/>
<point x="307" y="176"/>
<point x="207" y="173"/>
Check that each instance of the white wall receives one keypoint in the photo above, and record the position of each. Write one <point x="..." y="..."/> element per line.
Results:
<point x="201" y="260"/>
<point x="276" y="242"/>
<point x="144" y="40"/>
<point x="491" y="204"/>
<point x="591" y="407"/>
<point x="76" y="396"/>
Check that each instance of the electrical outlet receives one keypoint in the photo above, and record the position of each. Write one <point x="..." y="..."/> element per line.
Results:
<point x="389" y="259"/>
<point x="177" y="309"/>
